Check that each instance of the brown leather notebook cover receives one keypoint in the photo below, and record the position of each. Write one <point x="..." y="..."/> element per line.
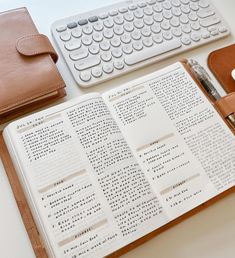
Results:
<point x="221" y="63"/>
<point x="30" y="225"/>
<point x="29" y="78"/>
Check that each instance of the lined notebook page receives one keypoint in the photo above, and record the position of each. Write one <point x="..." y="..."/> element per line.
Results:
<point x="184" y="147"/>
<point x="91" y="195"/>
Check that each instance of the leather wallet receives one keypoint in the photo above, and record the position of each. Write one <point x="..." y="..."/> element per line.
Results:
<point x="221" y="63"/>
<point x="29" y="78"/>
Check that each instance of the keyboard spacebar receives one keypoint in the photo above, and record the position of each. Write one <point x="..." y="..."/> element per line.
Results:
<point x="152" y="51"/>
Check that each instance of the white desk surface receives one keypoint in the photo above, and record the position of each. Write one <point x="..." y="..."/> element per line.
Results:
<point x="208" y="234"/>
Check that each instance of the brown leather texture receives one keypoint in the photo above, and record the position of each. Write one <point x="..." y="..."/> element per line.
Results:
<point x="225" y="106"/>
<point x="21" y="201"/>
<point x="27" y="70"/>
<point x="221" y="63"/>
<point x="37" y="44"/>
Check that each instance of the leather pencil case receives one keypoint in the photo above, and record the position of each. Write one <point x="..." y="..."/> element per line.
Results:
<point x="29" y="78"/>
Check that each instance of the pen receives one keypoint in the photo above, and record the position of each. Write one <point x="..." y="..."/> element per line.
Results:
<point x="201" y="74"/>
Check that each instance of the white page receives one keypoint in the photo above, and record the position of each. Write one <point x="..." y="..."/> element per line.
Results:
<point x="91" y="195"/>
<point x="184" y="147"/>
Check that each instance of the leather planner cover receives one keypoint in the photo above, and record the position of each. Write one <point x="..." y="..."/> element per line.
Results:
<point x="29" y="78"/>
<point x="221" y="63"/>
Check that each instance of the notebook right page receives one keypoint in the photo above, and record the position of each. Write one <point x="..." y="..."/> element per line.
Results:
<point x="184" y="147"/>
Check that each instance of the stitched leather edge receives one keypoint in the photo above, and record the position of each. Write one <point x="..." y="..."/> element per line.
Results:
<point x="33" y="53"/>
<point x="4" y="108"/>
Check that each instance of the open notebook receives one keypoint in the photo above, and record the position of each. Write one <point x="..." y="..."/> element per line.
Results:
<point x="101" y="171"/>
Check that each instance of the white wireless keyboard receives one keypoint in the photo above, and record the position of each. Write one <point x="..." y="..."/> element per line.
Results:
<point x="108" y="42"/>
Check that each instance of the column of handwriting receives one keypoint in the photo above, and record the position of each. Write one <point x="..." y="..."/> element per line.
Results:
<point x="122" y="182"/>
<point x="67" y="194"/>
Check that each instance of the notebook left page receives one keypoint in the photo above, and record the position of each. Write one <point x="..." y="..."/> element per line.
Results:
<point x="87" y="193"/>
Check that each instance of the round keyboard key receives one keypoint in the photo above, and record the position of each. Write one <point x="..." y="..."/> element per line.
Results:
<point x="166" y="5"/>
<point x="61" y="28"/>
<point x="167" y="14"/>
<point x="139" y="13"/>
<point x="186" y="28"/>
<point x="113" y="12"/>
<point x="94" y="49"/>
<point x="118" y="64"/>
<point x="85" y="76"/>
<point x="148" y="20"/>
<point x="132" y="7"/>
<point x="72" y="45"/>
<point x="106" y="56"/>
<point x="136" y="35"/>
<point x="138" y="24"/>
<point x="77" y="33"/>
<point x="86" y="40"/>
<point x="157" y="8"/>
<point x="186" y="40"/>
<point x="97" y="72"/>
<point x="141" y="4"/>
<point x="115" y="42"/>
<point x="78" y="54"/>
<point x="129" y="17"/>
<point x="108" y="23"/>
<point x="167" y="35"/>
<point x="127" y="49"/>
<point x="184" y="19"/>
<point x="122" y="10"/>
<point x="107" y="68"/>
<point x="103" y="16"/>
<point x="129" y="27"/>
<point x="118" y="30"/>
<point x="185" y="9"/>
<point x="108" y="33"/>
<point x="72" y="25"/>
<point x="118" y="20"/>
<point x="195" y="25"/>
<point x="148" y="42"/>
<point x="87" y="29"/>
<point x="195" y="36"/>
<point x="176" y="32"/>
<point x="155" y="28"/>
<point x="205" y="34"/>
<point x="116" y="52"/>
<point x="137" y="45"/>
<point x="126" y="38"/>
<point x="176" y="11"/>
<point x="223" y="29"/>
<point x="65" y="36"/>
<point x="97" y="36"/>
<point x="98" y="26"/>
<point x="146" y="31"/>
<point x="175" y="22"/>
<point x="194" y="6"/>
<point x="176" y="3"/>
<point x="105" y="45"/>
<point x="214" y="32"/>
<point x="158" y="38"/>
<point x="158" y="17"/>
<point x="165" y="25"/>
<point x="148" y="10"/>
<point x="192" y="16"/>
<point x="203" y="3"/>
